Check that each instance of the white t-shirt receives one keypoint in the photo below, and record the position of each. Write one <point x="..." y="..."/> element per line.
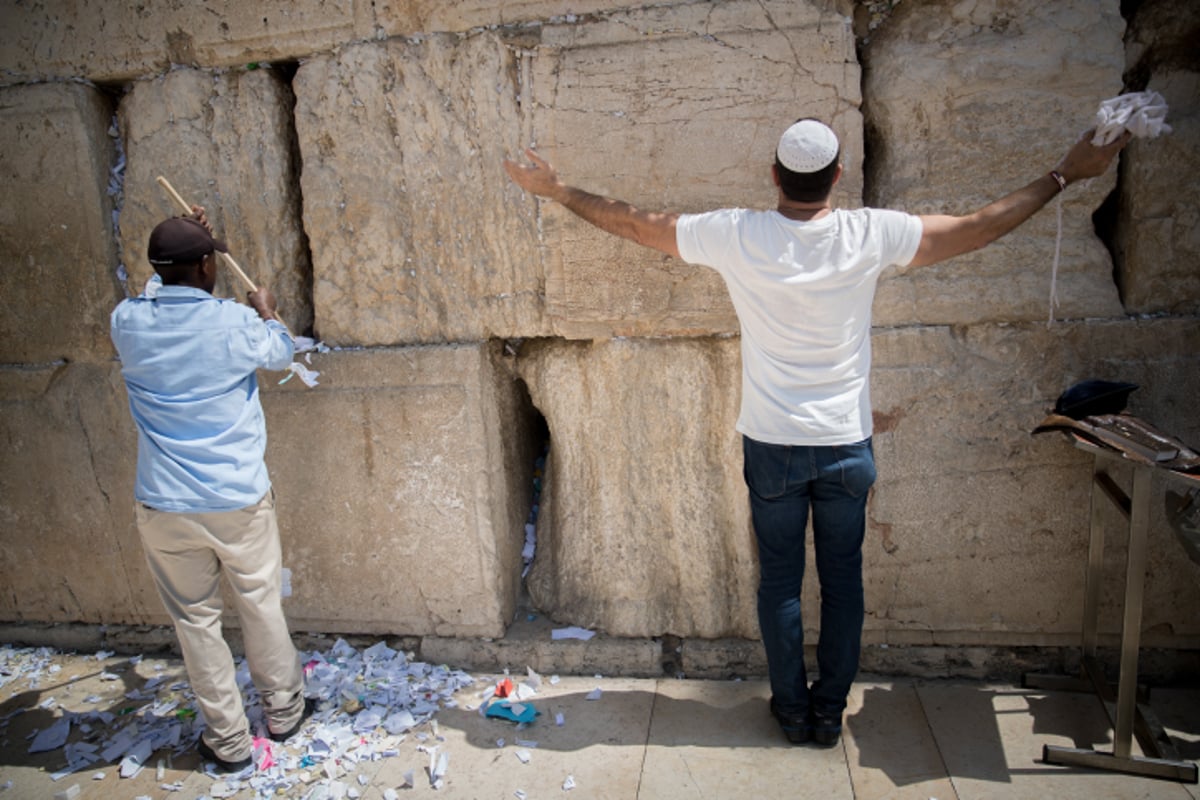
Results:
<point x="803" y="294"/>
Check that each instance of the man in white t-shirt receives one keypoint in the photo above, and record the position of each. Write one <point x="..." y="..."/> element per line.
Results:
<point x="802" y="279"/>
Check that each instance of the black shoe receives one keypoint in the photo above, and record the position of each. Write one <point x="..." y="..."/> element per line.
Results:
<point x="310" y="705"/>
<point x="826" y="729"/>
<point x="223" y="766"/>
<point x="795" y="726"/>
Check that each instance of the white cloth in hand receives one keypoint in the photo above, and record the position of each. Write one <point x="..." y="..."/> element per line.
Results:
<point x="1144" y="114"/>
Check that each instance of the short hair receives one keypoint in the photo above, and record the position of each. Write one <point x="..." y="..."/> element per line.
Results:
<point x="172" y="274"/>
<point x="808" y="187"/>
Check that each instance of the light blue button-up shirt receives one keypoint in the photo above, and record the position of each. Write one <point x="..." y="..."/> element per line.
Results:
<point x="189" y="362"/>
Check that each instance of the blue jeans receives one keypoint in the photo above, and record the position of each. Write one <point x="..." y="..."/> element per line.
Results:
<point x="784" y="482"/>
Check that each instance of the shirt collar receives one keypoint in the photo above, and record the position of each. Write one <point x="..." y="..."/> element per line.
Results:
<point x="182" y="293"/>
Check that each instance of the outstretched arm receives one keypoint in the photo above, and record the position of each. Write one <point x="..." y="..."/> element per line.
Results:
<point x="647" y="228"/>
<point x="945" y="236"/>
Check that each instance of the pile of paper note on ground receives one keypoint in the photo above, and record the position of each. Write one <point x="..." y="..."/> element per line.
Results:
<point x="366" y="702"/>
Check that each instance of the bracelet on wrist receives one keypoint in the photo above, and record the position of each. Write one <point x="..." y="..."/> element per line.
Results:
<point x="1059" y="179"/>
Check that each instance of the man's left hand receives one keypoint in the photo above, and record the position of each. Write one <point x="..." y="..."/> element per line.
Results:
<point x="199" y="215"/>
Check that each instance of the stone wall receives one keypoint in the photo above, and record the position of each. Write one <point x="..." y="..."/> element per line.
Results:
<point x="350" y="154"/>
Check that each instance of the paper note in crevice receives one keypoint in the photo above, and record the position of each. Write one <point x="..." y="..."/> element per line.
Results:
<point x="572" y="632"/>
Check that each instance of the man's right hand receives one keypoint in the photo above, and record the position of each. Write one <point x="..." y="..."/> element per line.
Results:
<point x="537" y="177"/>
<point x="263" y="302"/>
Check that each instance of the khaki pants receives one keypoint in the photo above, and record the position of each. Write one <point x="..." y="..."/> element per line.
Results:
<point x="188" y="553"/>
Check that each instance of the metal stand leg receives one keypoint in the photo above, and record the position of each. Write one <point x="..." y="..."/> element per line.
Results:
<point x="1131" y="627"/>
<point x="1130" y="717"/>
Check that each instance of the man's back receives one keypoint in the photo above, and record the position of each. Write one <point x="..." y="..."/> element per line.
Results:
<point x="803" y="293"/>
<point x="189" y="364"/>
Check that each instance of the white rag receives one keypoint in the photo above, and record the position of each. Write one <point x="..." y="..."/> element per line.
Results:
<point x="1144" y="114"/>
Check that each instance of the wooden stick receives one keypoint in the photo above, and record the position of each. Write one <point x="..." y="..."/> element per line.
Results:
<point x="187" y="209"/>
<point x="228" y="259"/>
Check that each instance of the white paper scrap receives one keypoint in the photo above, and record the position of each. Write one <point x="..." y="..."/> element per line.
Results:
<point x="309" y="376"/>
<point x="68" y="794"/>
<point x="594" y="694"/>
<point x="135" y="759"/>
<point x="306" y="344"/>
<point x="80" y="753"/>
<point x="117" y="747"/>
<point x="222" y="789"/>
<point x="62" y="773"/>
<point x="572" y="632"/>
<point x="523" y="756"/>
<point x="390" y="794"/>
<point x="569" y="783"/>
<point x="53" y="737"/>
<point x="439" y="771"/>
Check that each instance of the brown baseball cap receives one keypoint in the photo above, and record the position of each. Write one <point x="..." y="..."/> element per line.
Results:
<point x="181" y="240"/>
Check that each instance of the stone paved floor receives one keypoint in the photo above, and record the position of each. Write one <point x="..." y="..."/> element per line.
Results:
<point x="651" y="738"/>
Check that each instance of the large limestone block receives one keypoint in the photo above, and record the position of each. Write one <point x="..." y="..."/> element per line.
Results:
<point x="120" y="41"/>
<point x="403" y="483"/>
<point x="978" y="528"/>
<point x="416" y="232"/>
<point x="1157" y="242"/>
<point x="969" y="101"/>
<point x="677" y="107"/>
<point x="1159" y="219"/>
<point x="57" y="268"/>
<point x="224" y="141"/>
<point x="435" y="16"/>
<point x="69" y="551"/>
<point x="644" y="527"/>
<point x="125" y="40"/>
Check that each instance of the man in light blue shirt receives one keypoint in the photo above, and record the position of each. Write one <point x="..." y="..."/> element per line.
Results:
<point x="204" y="502"/>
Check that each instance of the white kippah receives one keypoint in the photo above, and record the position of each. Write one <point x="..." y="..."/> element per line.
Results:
<point x="807" y="146"/>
